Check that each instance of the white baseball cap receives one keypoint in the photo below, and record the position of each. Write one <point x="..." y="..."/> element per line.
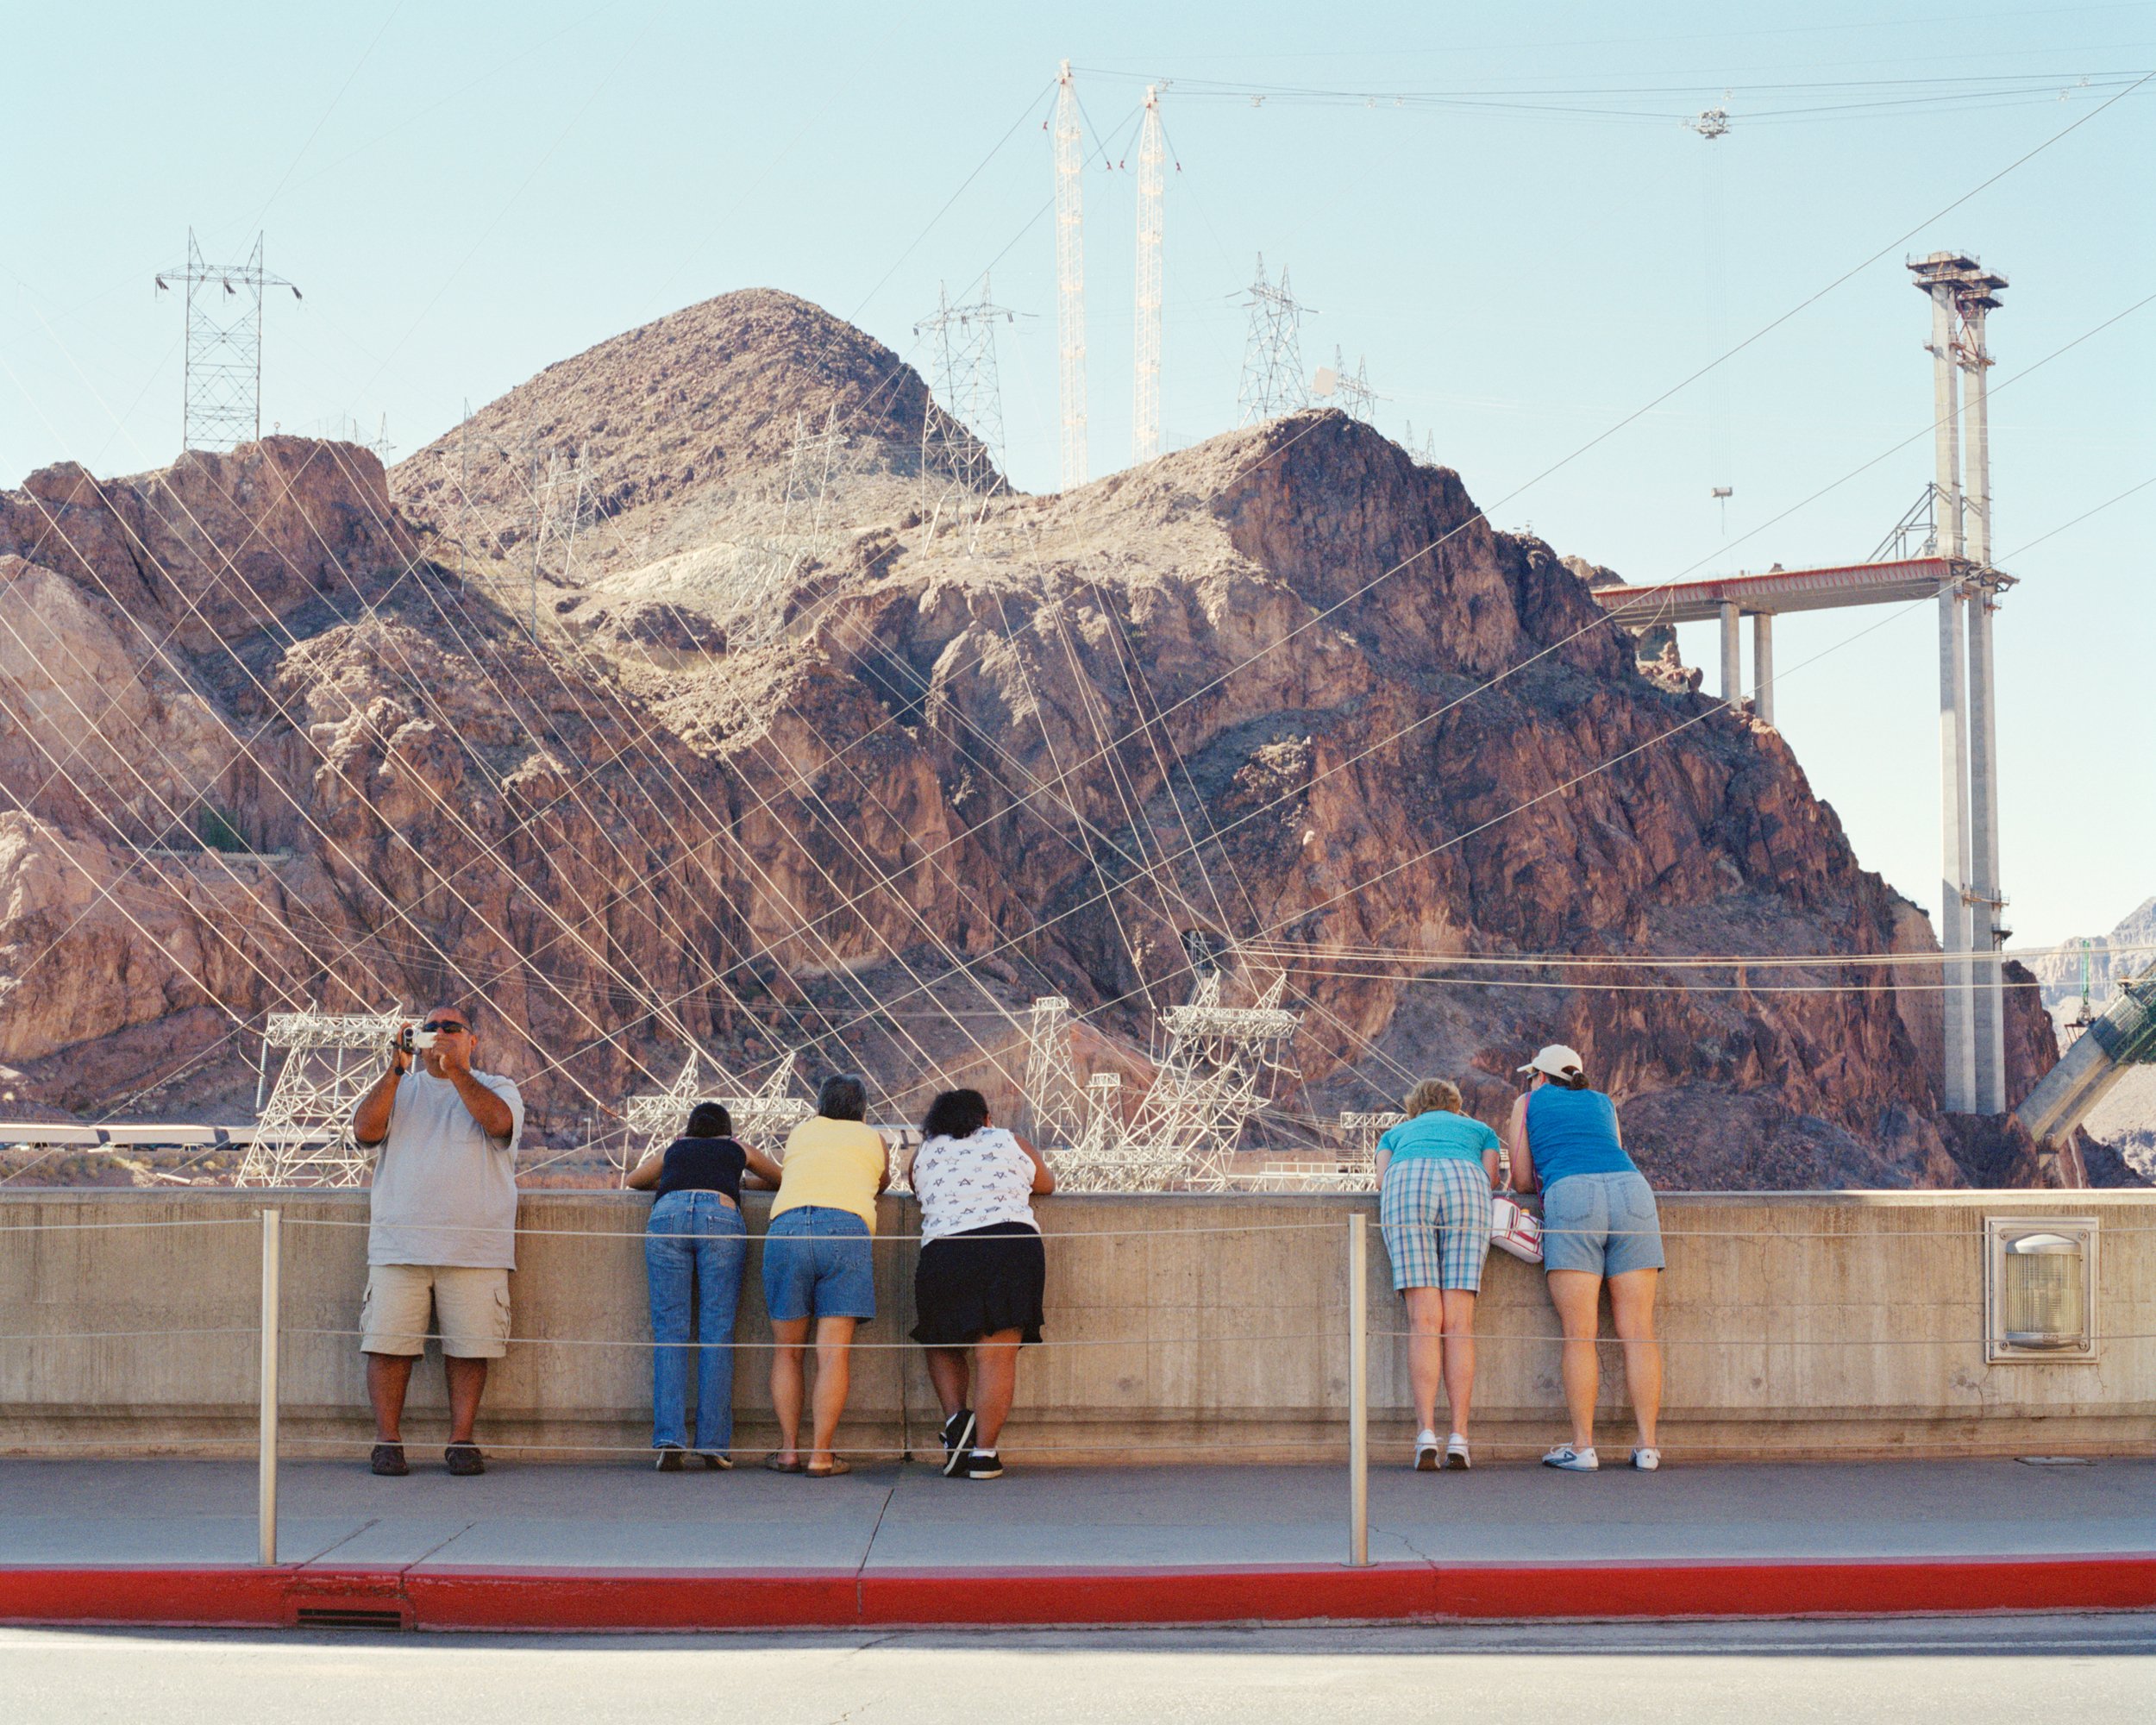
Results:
<point x="1556" y="1060"/>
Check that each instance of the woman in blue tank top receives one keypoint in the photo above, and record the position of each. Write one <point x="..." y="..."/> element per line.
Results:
<point x="1599" y="1223"/>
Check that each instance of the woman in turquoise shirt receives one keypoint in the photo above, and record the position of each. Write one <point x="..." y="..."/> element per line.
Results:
<point x="1598" y="1223"/>
<point x="1435" y="1171"/>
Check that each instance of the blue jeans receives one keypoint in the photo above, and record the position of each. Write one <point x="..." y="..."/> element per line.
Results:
<point x="694" y="1240"/>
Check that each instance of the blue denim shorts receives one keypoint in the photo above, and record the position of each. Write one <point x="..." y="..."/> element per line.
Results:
<point x="1606" y="1224"/>
<point x="818" y="1263"/>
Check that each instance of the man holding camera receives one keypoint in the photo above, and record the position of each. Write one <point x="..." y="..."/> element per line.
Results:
<point x="443" y="1229"/>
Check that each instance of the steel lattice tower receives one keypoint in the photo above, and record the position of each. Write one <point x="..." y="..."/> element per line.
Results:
<point x="1273" y="382"/>
<point x="761" y="1117"/>
<point x="1352" y="390"/>
<point x="1070" y="276"/>
<point x="304" y="1136"/>
<point x="962" y="428"/>
<point x="220" y="386"/>
<point x="1152" y="162"/>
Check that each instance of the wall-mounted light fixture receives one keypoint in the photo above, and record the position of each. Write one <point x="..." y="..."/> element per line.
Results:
<point x="2039" y="1287"/>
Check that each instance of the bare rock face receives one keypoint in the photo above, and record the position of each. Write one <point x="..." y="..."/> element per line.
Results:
<point x="675" y="423"/>
<point x="1284" y="694"/>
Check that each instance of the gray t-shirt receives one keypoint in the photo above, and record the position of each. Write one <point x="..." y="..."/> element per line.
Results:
<point x="445" y="1192"/>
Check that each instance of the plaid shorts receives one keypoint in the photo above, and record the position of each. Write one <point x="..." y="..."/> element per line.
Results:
<point x="1435" y="1212"/>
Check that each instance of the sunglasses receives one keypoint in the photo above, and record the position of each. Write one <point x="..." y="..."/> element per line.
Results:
<point x="436" y="1026"/>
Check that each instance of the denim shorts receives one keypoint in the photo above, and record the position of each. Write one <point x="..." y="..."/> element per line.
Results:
<point x="1605" y="1224"/>
<point x="818" y="1263"/>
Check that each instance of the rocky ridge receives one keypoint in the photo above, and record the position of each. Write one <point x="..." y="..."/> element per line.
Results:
<point x="1283" y="692"/>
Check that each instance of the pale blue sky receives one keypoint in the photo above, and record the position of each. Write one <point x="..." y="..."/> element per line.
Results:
<point x="468" y="193"/>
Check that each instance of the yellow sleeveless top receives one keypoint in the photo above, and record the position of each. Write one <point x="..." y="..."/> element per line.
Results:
<point x="833" y="1164"/>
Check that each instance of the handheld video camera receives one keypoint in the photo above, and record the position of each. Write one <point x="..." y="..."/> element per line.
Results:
<point x="411" y="1041"/>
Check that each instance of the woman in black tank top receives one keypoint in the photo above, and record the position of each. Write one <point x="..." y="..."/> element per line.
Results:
<point x="696" y="1251"/>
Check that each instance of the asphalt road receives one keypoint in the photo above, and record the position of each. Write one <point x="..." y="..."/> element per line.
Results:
<point x="1968" y="1670"/>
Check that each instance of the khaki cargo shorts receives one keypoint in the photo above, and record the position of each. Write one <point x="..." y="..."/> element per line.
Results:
<point x="472" y="1304"/>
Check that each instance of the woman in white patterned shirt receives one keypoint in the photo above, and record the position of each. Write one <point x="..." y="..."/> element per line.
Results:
<point x="982" y="1271"/>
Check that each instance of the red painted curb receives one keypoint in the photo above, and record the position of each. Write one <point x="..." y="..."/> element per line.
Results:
<point x="567" y="1600"/>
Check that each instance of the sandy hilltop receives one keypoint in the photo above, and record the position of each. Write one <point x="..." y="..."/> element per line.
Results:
<point x="817" y="749"/>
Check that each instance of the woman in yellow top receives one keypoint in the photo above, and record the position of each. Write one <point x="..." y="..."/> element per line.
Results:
<point x="818" y="1266"/>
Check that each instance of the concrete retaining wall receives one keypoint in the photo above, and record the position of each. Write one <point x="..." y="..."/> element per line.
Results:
<point x="1831" y="1324"/>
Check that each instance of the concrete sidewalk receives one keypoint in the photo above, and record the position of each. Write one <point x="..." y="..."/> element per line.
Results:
<point x="630" y="1517"/>
<point x="1066" y="1525"/>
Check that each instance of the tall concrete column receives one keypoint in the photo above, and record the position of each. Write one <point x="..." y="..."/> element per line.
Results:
<point x="1733" y="657"/>
<point x="1956" y="1015"/>
<point x="1989" y="1030"/>
<point x="1945" y="420"/>
<point x="1961" y="1051"/>
<point x="1763" y="667"/>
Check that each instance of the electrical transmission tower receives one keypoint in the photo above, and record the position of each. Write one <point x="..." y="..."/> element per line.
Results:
<point x="764" y="572"/>
<point x="1353" y="392"/>
<point x="761" y="1117"/>
<point x="1152" y="162"/>
<point x="1272" y="380"/>
<point x="1070" y="276"/>
<point x="962" y="438"/>
<point x="1052" y="1096"/>
<point x="1220" y="1062"/>
<point x="220" y="386"/>
<point x="303" y="1134"/>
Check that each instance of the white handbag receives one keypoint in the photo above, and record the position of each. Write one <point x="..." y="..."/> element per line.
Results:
<point x="1513" y="1230"/>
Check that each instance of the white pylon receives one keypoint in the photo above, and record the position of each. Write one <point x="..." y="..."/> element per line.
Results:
<point x="1070" y="276"/>
<point x="761" y="1117"/>
<point x="1272" y="382"/>
<point x="304" y="1136"/>
<point x="1153" y="159"/>
<point x="1052" y="1092"/>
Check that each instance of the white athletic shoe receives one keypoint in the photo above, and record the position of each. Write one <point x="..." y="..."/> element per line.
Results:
<point x="1572" y="1460"/>
<point x="1646" y="1460"/>
<point x="1456" y="1455"/>
<point x="1427" y="1451"/>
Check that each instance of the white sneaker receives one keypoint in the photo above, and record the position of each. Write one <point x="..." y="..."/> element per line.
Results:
<point x="1456" y="1455"/>
<point x="1646" y="1460"/>
<point x="1572" y="1460"/>
<point x="1427" y="1451"/>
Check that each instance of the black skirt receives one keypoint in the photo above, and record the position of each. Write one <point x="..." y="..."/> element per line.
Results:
<point x="978" y="1283"/>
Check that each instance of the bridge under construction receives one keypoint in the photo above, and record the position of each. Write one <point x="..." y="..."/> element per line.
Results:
<point x="1956" y="570"/>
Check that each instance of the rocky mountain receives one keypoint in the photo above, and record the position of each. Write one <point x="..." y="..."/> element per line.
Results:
<point x="822" y="745"/>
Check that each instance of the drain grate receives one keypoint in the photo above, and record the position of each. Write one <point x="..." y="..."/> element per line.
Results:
<point x="348" y="1617"/>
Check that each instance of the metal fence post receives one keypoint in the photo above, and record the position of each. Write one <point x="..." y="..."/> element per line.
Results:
<point x="271" y="1262"/>
<point x="1358" y="1390"/>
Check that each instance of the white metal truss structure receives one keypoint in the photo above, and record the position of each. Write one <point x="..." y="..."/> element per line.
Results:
<point x="1152" y="164"/>
<point x="961" y="426"/>
<point x="220" y="383"/>
<point x="1272" y="382"/>
<point x="1220" y="1062"/>
<point x="761" y="1117"/>
<point x="304" y="1136"/>
<point x="764" y="569"/>
<point x="561" y="502"/>
<point x="1352" y="393"/>
<point x="1107" y="1157"/>
<point x="1353" y="1170"/>
<point x="1056" y="1110"/>
<point x="1070" y="276"/>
